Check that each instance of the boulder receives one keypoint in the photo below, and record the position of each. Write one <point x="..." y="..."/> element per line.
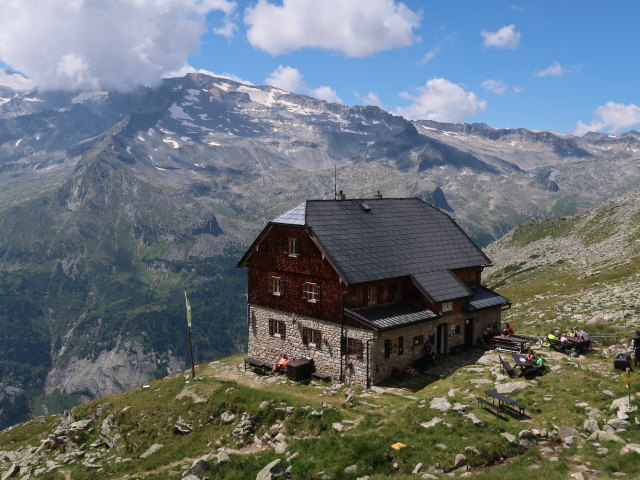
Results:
<point x="512" y="387"/>
<point x="271" y="471"/>
<point x="417" y="469"/>
<point x="617" y="423"/>
<point x="591" y="425"/>
<point x="222" y="457"/>
<point x="460" y="461"/>
<point x="351" y="469"/>
<point x="227" y="417"/>
<point x="510" y="437"/>
<point x="431" y="423"/>
<point x="566" y="432"/>
<point x="151" y="450"/>
<point x="440" y="404"/>
<point x="198" y="467"/>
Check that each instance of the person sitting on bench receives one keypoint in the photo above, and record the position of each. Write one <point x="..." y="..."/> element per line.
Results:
<point x="281" y="364"/>
<point x="427" y="352"/>
<point x="507" y="331"/>
<point x="537" y="365"/>
<point x="530" y="356"/>
<point x="563" y="338"/>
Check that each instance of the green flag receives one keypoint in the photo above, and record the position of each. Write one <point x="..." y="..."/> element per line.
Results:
<point x="186" y="301"/>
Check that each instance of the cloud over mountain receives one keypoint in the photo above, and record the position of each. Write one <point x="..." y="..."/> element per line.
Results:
<point x="441" y="100"/>
<point x="86" y="44"/>
<point x="356" y="28"/>
<point x="612" y="117"/>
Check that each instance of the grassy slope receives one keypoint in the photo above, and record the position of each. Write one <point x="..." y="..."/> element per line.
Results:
<point x="379" y="419"/>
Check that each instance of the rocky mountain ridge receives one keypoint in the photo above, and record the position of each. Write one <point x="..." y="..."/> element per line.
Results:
<point x="112" y="204"/>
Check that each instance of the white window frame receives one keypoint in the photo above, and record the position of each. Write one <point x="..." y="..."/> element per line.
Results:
<point x="276" y="286"/>
<point x="311" y="292"/>
<point x="294" y="246"/>
<point x="447" y="306"/>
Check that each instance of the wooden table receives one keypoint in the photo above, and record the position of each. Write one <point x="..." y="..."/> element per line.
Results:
<point x="509" y="344"/>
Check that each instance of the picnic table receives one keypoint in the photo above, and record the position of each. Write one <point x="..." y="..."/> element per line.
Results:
<point x="506" y="403"/>
<point x="509" y="344"/>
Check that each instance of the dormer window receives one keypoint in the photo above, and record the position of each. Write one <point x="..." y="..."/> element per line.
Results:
<point x="372" y="295"/>
<point x="294" y="247"/>
<point x="447" y="307"/>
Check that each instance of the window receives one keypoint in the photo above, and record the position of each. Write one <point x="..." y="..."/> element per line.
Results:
<point x="352" y="347"/>
<point x="394" y="346"/>
<point x="393" y="292"/>
<point x="447" y="307"/>
<point x="311" y="337"/>
<point x="275" y="286"/>
<point x="277" y="328"/>
<point x="418" y="340"/>
<point x="311" y="292"/>
<point x="372" y="295"/>
<point x="294" y="247"/>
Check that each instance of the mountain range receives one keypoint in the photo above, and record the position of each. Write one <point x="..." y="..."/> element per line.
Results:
<point x="112" y="204"/>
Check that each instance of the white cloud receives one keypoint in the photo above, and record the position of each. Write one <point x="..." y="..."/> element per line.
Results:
<point x="290" y="79"/>
<point x="325" y="93"/>
<point x="441" y="100"/>
<point x="286" y="78"/>
<point x="505" y="37"/>
<point x="15" y="81"/>
<point x="612" y="117"/>
<point x="429" y="55"/>
<point x="553" y="70"/>
<point x="356" y="28"/>
<point x="370" y="98"/>
<point x="495" y="86"/>
<point x="181" y="72"/>
<point x="118" y="44"/>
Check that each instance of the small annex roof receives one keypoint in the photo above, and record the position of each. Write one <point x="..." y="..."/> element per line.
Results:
<point x="295" y="216"/>
<point x="484" y="298"/>
<point x="391" y="316"/>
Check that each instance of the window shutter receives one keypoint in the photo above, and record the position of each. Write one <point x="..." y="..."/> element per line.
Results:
<point x="270" y="285"/>
<point x="271" y="327"/>
<point x="317" y="290"/>
<point x="343" y="345"/>
<point x="304" y="291"/>
<point x="283" y="333"/>
<point x="400" y="345"/>
<point x="359" y="348"/>
<point x="281" y="286"/>
<point x="387" y="348"/>
<point x="305" y="335"/>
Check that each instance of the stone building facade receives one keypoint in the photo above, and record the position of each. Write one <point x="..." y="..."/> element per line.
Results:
<point x="360" y="286"/>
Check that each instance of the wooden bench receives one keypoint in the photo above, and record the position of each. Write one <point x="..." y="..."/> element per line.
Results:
<point x="558" y="346"/>
<point x="507" y="403"/>
<point x="486" y="403"/>
<point x="254" y="362"/>
<point x="507" y="367"/>
<point x="321" y="376"/>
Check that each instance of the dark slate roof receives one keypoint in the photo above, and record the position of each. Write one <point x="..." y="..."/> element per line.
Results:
<point x="484" y="298"/>
<point x="374" y="239"/>
<point x="391" y="316"/>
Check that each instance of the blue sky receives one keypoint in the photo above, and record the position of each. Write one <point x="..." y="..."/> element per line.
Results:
<point x="566" y="66"/>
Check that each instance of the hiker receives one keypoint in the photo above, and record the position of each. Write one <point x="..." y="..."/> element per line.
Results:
<point x="427" y="352"/>
<point x="585" y="339"/>
<point x="507" y="331"/>
<point x="563" y="338"/>
<point x="281" y="364"/>
<point x="552" y="335"/>
<point x="530" y="356"/>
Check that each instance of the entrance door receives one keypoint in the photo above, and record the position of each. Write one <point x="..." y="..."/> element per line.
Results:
<point x="468" y="333"/>
<point x="441" y="338"/>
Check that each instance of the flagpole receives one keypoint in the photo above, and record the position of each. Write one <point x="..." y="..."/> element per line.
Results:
<point x="193" y="368"/>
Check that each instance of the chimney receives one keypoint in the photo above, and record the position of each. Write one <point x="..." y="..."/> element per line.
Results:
<point x="341" y="196"/>
<point x="378" y="195"/>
